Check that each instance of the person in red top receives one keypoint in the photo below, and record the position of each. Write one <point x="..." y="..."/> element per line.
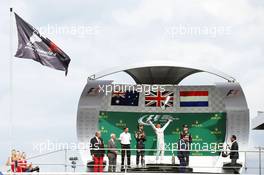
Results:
<point x="25" y="166"/>
<point x="12" y="164"/>
<point x="18" y="162"/>
<point x="12" y="160"/>
<point x="23" y="163"/>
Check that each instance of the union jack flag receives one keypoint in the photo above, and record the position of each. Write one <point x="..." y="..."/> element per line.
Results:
<point x="157" y="99"/>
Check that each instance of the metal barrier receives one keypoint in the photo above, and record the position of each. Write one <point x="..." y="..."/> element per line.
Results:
<point x="257" y="154"/>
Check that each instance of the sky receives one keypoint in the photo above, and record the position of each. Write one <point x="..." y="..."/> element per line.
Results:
<point x="97" y="34"/>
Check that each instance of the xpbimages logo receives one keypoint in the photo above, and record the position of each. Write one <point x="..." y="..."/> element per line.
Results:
<point x="51" y="145"/>
<point x="114" y="88"/>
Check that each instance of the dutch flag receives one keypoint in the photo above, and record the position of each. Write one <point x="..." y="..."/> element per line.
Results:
<point x="194" y="99"/>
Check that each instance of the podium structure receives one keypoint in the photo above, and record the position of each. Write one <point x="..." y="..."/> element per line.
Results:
<point x="212" y="112"/>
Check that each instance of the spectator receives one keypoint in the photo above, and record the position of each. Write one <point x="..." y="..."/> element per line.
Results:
<point x="27" y="167"/>
<point x="12" y="160"/>
<point x="18" y="162"/>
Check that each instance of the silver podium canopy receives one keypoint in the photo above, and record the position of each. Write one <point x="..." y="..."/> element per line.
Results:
<point x="160" y="73"/>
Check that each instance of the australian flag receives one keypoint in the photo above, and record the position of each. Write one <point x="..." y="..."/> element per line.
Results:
<point x="32" y="45"/>
<point x="127" y="98"/>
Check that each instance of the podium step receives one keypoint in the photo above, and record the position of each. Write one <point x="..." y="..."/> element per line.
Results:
<point x="158" y="168"/>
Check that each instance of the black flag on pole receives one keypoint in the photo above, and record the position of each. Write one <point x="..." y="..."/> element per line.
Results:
<point x="32" y="45"/>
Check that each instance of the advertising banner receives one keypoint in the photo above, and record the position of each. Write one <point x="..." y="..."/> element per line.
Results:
<point x="207" y="129"/>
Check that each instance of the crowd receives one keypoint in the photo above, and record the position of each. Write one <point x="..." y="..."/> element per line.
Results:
<point x="18" y="162"/>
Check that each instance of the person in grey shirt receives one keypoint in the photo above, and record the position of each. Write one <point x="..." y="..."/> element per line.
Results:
<point x="112" y="153"/>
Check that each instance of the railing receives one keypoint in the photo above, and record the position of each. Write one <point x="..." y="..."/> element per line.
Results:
<point x="248" y="165"/>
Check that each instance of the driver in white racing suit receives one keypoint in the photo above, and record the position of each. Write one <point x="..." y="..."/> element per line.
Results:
<point x="160" y="139"/>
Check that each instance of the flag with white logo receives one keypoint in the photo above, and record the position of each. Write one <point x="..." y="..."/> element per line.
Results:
<point x="32" y="45"/>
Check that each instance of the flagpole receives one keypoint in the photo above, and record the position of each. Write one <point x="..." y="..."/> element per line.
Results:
<point x="11" y="82"/>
